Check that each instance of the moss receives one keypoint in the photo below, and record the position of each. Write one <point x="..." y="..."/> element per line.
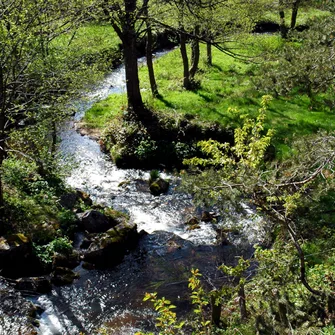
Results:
<point x="116" y="215"/>
<point x="17" y="239"/>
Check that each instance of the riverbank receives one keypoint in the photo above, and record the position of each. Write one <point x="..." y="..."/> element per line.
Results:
<point x="179" y="120"/>
<point x="228" y="90"/>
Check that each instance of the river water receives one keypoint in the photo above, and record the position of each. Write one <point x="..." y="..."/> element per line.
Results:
<point x="163" y="259"/>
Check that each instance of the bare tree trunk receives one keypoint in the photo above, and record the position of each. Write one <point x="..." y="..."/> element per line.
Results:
<point x="283" y="29"/>
<point x="301" y="254"/>
<point x="2" y="143"/>
<point x="209" y="53"/>
<point x="216" y="312"/>
<point x="134" y="97"/>
<point x="195" y="54"/>
<point x="153" y="84"/>
<point x="53" y="139"/>
<point x="295" y="8"/>
<point x="186" y="79"/>
<point x="243" y="307"/>
<point x="127" y="34"/>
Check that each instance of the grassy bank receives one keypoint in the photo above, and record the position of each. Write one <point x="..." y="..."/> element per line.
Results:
<point x="227" y="90"/>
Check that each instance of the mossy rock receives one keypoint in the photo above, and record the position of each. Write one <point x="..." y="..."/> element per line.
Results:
<point x="192" y="221"/>
<point x="159" y="186"/>
<point x="63" y="276"/>
<point x="17" y="239"/>
<point x="108" y="249"/>
<point x="115" y="215"/>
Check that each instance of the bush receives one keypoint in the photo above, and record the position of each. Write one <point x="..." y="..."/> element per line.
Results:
<point x="154" y="174"/>
<point x="146" y="149"/>
<point x="46" y="252"/>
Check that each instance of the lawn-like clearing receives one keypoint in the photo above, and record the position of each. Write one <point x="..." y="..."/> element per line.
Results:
<point x="226" y="91"/>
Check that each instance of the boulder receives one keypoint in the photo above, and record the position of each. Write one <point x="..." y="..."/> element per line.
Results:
<point x="85" y="244"/>
<point x="96" y="222"/>
<point x="108" y="249"/>
<point x="196" y="226"/>
<point x="207" y="216"/>
<point x="33" y="285"/>
<point x="85" y="197"/>
<point x="68" y="200"/>
<point x="159" y="186"/>
<point x="192" y="221"/>
<point x="63" y="276"/>
<point x="17" y="258"/>
<point x="63" y="260"/>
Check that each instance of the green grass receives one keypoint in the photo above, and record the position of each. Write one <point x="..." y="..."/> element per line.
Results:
<point x="89" y="38"/>
<point x="305" y="15"/>
<point x="226" y="91"/>
<point x="103" y="111"/>
<point x="91" y="46"/>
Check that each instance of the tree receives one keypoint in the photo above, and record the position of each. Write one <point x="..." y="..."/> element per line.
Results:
<point x="148" y="50"/>
<point x="240" y="170"/>
<point x="123" y="17"/>
<point x="294" y="6"/>
<point x="34" y="80"/>
<point x="214" y="23"/>
<point x="307" y="66"/>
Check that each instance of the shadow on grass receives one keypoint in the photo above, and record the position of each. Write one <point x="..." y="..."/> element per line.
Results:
<point x="217" y="67"/>
<point x="204" y="97"/>
<point x="166" y="103"/>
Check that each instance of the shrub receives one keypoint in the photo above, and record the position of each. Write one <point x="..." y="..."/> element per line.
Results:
<point x="46" y="252"/>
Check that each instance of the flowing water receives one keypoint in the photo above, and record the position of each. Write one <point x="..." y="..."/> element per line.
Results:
<point x="162" y="260"/>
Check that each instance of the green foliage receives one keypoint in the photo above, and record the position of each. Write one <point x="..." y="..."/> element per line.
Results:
<point x="92" y="44"/>
<point x="200" y="300"/>
<point x="236" y="271"/>
<point x="154" y="174"/>
<point x="249" y="147"/>
<point x="166" y="319"/>
<point x="46" y="252"/>
<point x="146" y="149"/>
<point x="303" y="65"/>
<point x="32" y="201"/>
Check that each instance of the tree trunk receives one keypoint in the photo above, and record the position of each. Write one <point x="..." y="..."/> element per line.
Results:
<point x="209" y="53"/>
<point x="53" y="139"/>
<point x="134" y="97"/>
<point x="2" y="143"/>
<point x="282" y="27"/>
<point x="153" y="84"/>
<point x="195" y="54"/>
<point x="2" y="157"/>
<point x="295" y="8"/>
<point x="216" y="312"/>
<point x="127" y="34"/>
<point x="243" y="307"/>
<point x="186" y="79"/>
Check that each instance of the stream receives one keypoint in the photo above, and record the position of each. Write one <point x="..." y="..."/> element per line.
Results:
<point x="163" y="259"/>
